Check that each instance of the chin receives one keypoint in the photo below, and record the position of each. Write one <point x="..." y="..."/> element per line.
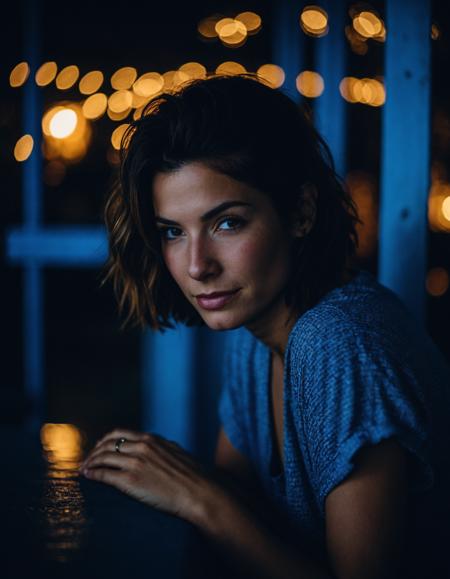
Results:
<point x="221" y="321"/>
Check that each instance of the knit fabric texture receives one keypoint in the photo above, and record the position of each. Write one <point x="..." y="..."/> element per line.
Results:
<point x="358" y="369"/>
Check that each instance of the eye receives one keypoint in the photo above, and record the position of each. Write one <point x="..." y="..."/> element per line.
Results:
<point x="231" y="223"/>
<point x="169" y="233"/>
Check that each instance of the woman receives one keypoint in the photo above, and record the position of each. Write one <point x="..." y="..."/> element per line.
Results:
<point x="229" y="213"/>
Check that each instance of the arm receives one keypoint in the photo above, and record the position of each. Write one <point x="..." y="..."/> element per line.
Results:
<point x="234" y="521"/>
<point x="364" y="516"/>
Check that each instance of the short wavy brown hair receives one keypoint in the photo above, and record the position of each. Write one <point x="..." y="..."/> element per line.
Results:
<point x="240" y="127"/>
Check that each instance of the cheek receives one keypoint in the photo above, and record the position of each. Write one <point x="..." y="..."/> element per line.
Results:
<point x="261" y="257"/>
<point x="173" y="264"/>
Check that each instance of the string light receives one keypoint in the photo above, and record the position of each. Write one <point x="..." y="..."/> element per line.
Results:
<point x="310" y="84"/>
<point x="23" y="148"/>
<point x="46" y="73"/>
<point x="19" y="74"/>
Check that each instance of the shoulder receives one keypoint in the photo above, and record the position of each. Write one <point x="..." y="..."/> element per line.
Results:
<point x="361" y="316"/>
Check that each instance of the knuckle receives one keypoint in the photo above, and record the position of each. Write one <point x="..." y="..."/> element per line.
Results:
<point x="129" y="477"/>
<point x="135" y="463"/>
<point x="142" y="447"/>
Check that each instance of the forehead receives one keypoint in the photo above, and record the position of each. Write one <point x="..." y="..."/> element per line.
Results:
<point x="197" y="187"/>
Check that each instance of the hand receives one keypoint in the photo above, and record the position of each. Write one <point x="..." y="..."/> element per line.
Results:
<point x="151" y="469"/>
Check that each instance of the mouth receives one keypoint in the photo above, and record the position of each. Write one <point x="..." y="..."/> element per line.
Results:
<point x="215" y="300"/>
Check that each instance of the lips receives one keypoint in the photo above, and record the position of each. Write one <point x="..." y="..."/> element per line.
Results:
<point x="215" y="300"/>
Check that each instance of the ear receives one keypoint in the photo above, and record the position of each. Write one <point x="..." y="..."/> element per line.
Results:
<point x="305" y="214"/>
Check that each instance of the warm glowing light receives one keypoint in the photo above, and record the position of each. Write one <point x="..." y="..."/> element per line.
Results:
<point x="446" y="208"/>
<point x="62" y="444"/>
<point x="63" y="123"/>
<point x="19" y="74"/>
<point x="117" y="135"/>
<point x="251" y="21"/>
<point x="174" y="79"/>
<point x="91" y="82"/>
<point x="23" y="148"/>
<point x="439" y="204"/>
<point x="346" y="88"/>
<point x="118" y="116"/>
<point x="149" y="84"/>
<point x="310" y="84"/>
<point x="381" y="36"/>
<point x="230" y="68"/>
<point x="193" y="70"/>
<point x="46" y="73"/>
<point x="124" y="78"/>
<point x="437" y="281"/>
<point x="231" y="32"/>
<point x="48" y="117"/>
<point x="139" y="101"/>
<point x="379" y="93"/>
<point x="207" y="27"/>
<point x="435" y="31"/>
<point x="314" y="20"/>
<point x="138" y="113"/>
<point x="67" y="77"/>
<point x="67" y="134"/>
<point x="271" y="74"/>
<point x="179" y="78"/>
<point x="223" y="22"/>
<point x="367" y="24"/>
<point x="369" y="91"/>
<point x="120" y="101"/>
<point x="95" y="106"/>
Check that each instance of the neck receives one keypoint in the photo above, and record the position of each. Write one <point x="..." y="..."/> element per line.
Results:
<point x="273" y="327"/>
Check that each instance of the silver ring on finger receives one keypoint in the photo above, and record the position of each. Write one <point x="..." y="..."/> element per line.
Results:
<point x="119" y="443"/>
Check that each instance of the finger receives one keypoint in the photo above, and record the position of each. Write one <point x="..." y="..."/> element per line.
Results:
<point x="112" y="437"/>
<point x="112" y="459"/>
<point x="135" y="442"/>
<point x="128" y="447"/>
<point x="119" y="433"/>
<point x="114" y="477"/>
<point x="130" y="435"/>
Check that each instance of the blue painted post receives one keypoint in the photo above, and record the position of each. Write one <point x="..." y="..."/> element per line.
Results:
<point x="32" y="194"/>
<point x="406" y="153"/>
<point x="77" y="246"/>
<point x="287" y="44"/>
<point x="330" y="61"/>
<point x="169" y="363"/>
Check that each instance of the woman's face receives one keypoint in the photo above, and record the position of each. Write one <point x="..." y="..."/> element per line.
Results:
<point x="220" y="235"/>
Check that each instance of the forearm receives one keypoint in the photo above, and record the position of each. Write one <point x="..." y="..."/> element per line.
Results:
<point x="240" y="534"/>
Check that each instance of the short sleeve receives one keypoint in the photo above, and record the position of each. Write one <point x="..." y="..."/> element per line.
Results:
<point x="231" y="407"/>
<point x="358" y="390"/>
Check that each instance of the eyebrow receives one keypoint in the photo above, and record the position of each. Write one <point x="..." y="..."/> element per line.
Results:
<point x="209" y="214"/>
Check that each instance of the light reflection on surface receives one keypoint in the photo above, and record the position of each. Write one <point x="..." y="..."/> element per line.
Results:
<point x="62" y="502"/>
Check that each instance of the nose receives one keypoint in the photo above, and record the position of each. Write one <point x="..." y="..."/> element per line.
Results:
<point x="203" y="262"/>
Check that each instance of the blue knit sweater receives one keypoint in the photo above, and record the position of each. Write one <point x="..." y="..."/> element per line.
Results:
<point x="358" y="369"/>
